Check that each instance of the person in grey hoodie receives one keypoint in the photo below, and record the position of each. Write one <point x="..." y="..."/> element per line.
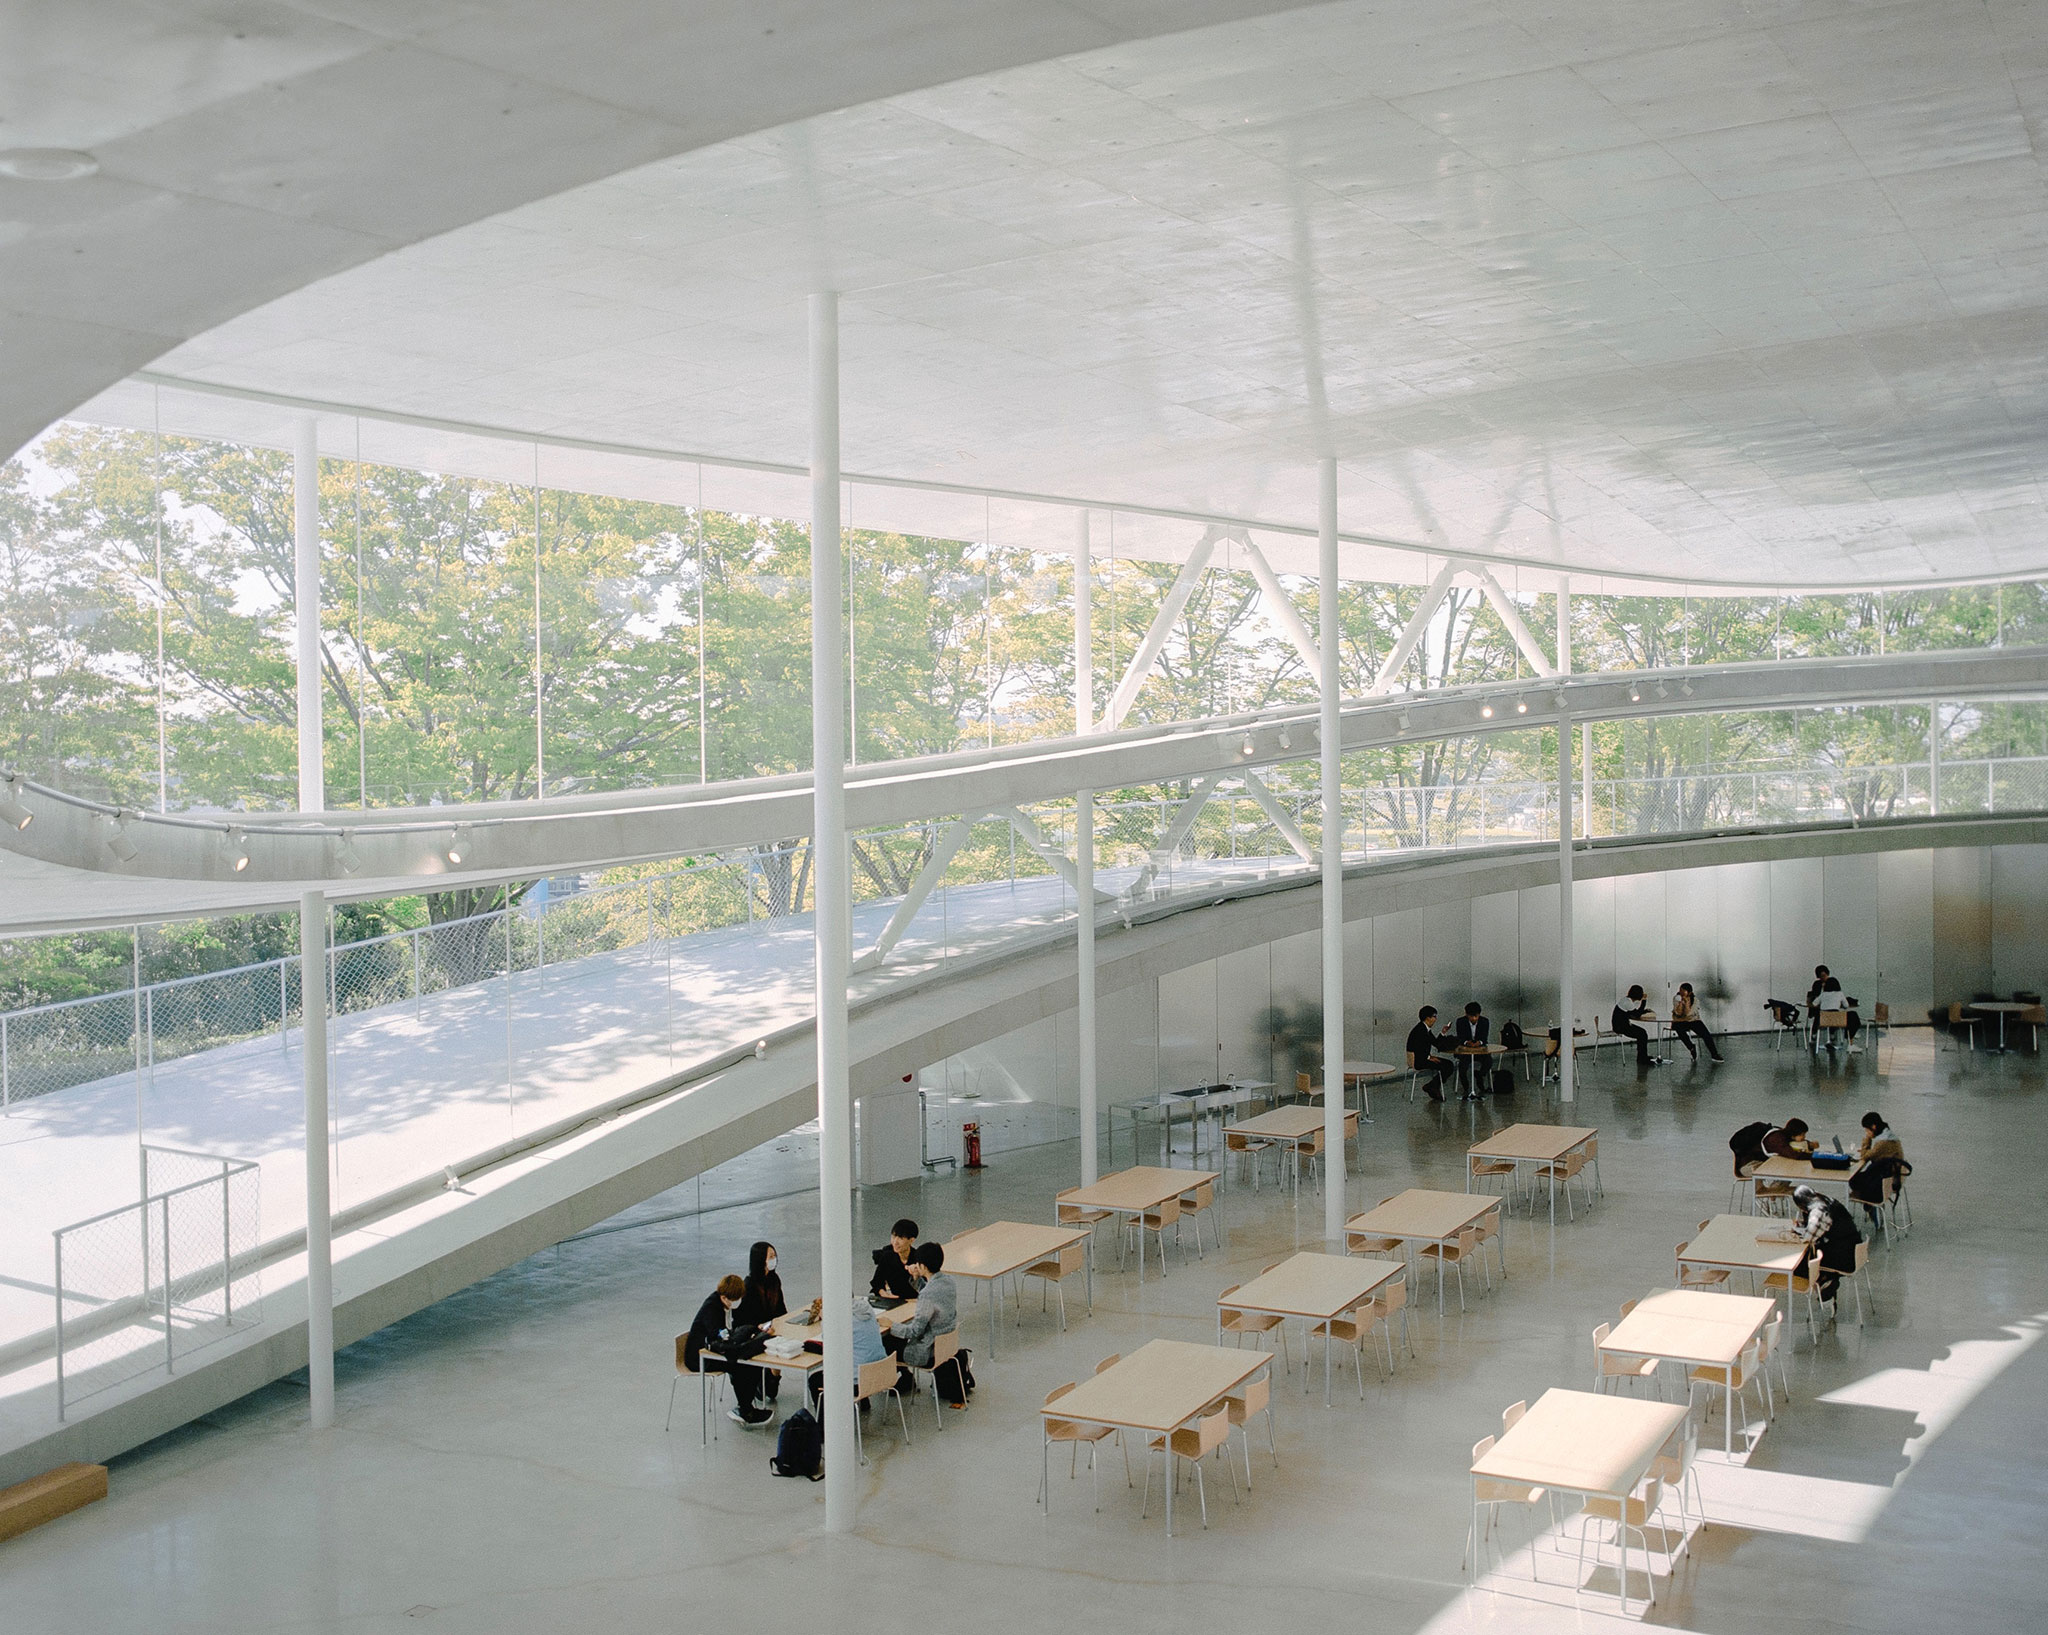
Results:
<point x="938" y="1308"/>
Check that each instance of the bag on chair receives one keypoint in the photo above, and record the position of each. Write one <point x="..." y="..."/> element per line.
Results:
<point x="800" y="1447"/>
<point x="1511" y="1036"/>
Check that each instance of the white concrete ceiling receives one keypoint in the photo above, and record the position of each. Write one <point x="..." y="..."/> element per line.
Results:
<point x="1720" y="291"/>
<point x="248" y="147"/>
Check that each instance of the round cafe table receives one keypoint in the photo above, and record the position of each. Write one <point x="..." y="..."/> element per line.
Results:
<point x="1363" y="1074"/>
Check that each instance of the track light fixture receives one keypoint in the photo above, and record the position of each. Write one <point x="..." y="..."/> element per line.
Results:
<point x="1685" y="687"/>
<point x="1486" y="712"/>
<point x="347" y="855"/>
<point x="1286" y="738"/>
<point x="1521" y="706"/>
<point x="1247" y="747"/>
<point x="12" y="811"/>
<point x="459" y="843"/>
<point x="1663" y="691"/>
<point x="115" y="825"/>
<point x="237" y="842"/>
<point x="1402" y="721"/>
<point x="1635" y="695"/>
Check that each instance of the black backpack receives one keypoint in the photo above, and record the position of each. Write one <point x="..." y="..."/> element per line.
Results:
<point x="800" y="1447"/>
<point x="1749" y="1140"/>
<point x="1511" y="1035"/>
<point x="1503" y="1082"/>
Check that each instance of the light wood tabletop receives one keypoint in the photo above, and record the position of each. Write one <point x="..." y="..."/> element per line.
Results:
<point x="1533" y="1143"/>
<point x="1002" y="1247"/>
<point x="805" y="1361"/>
<point x="1313" y="1285"/>
<point x="1676" y="1330"/>
<point x="1423" y="1216"/>
<point x="1297" y="1122"/>
<point x="1582" y="1442"/>
<point x="1798" y="1170"/>
<point x="1370" y="1070"/>
<point x="1131" y="1190"/>
<point x="1161" y="1385"/>
<point x="1736" y="1241"/>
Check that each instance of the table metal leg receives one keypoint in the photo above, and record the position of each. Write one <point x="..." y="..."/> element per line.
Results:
<point x="994" y="1289"/>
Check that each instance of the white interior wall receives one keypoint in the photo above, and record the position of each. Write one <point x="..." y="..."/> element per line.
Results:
<point x="1910" y="928"/>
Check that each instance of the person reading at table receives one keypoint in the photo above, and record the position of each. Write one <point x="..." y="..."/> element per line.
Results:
<point x="1882" y="1158"/>
<point x="1831" y="1231"/>
<point x="1627" y="1021"/>
<point x="894" y="1281"/>
<point x="1423" y="1055"/>
<point x="1831" y="998"/>
<point x="938" y="1312"/>
<point x="1686" y="1023"/>
<point x="1471" y="1029"/>
<point x="715" y="1332"/>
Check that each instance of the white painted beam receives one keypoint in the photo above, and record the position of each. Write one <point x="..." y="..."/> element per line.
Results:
<point x="1290" y="831"/>
<point x="1511" y="616"/>
<point x="1411" y="633"/>
<point x="1148" y="651"/>
<point x="921" y="886"/>
<point x="1280" y="605"/>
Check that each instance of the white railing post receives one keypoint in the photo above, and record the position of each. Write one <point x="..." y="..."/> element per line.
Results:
<point x="319" y="1207"/>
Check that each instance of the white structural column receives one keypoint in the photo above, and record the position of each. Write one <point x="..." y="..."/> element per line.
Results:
<point x="306" y="611"/>
<point x="1332" y="744"/>
<point x="833" y="921"/>
<point x="1084" y="856"/>
<point x="319" y="1205"/>
<point x="1566" y="1056"/>
<point x="1934" y="757"/>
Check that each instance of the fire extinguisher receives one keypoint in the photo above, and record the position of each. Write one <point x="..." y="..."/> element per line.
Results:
<point x="970" y="1139"/>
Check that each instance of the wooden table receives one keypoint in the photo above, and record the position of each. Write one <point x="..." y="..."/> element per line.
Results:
<point x="1133" y="1191"/>
<point x="1584" y="1443"/>
<point x="1799" y="1171"/>
<point x="1157" y="1389"/>
<point x="1363" y="1074"/>
<point x="1421" y="1216"/>
<point x="992" y="1252"/>
<point x="1287" y="1127"/>
<point x="1730" y="1242"/>
<point x="1697" y="1329"/>
<point x="804" y="1362"/>
<point x="1536" y="1144"/>
<point x="1471" y="1055"/>
<point x="1315" y="1288"/>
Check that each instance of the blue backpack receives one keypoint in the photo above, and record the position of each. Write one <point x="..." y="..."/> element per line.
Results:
<point x="800" y="1447"/>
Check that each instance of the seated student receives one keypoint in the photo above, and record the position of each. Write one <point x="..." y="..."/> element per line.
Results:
<point x="717" y="1320"/>
<point x="938" y="1311"/>
<point x="1753" y="1143"/>
<point x="1820" y="981"/>
<point x="1422" y="1043"/>
<point x="1831" y="1230"/>
<point x="1789" y="1141"/>
<point x="1627" y="1021"/>
<point x="1686" y="1023"/>
<point x="867" y="1346"/>
<point x="762" y="1303"/>
<point x="1831" y="998"/>
<point x="893" y="1281"/>
<point x="1471" y="1029"/>
<point x="1883" y="1158"/>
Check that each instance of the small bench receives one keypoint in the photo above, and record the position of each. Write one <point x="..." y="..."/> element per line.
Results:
<point x="46" y="1497"/>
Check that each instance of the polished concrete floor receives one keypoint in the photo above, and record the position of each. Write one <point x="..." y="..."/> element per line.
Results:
<point x="500" y="1463"/>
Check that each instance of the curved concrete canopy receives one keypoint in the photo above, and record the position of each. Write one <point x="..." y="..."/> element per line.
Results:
<point x="60" y="872"/>
<point x="1698" y="292"/>
<point x="248" y="149"/>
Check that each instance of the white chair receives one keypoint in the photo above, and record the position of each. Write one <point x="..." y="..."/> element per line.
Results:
<point x="1455" y="1253"/>
<point x="945" y="1349"/>
<point x="1193" y="1443"/>
<point x="1571" y="1167"/>
<point x="1255" y="1396"/>
<point x="1156" y="1221"/>
<point x="1197" y="1203"/>
<point x="1071" y="1261"/>
<point x="1481" y="1173"/>
<point x="1349" y="1330"/>
<point x="1723" y="1383"/>
<point x="1248" y="1147"/>
<point x="1489" y="1493"/>
<point x="1488" y="1227"/>
<point x="877" y="1379"/>
<point x="1854" y="1279"/>
<point x="1673" y="1466"/>
<point x="1699" y="1277"/>
<point x="710" y="1392"/>
<point x="1069" y="1214"/>
<point x="1805" y="1281"/>
<point x="1258" y="1324"/>
<point x="1074" y="1433"/>
<point x="1617" y="1370"/>
<point x="1630" y="1515"/>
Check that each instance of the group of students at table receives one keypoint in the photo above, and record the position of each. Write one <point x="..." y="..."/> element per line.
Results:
<point x="1827" y="1223"/>
<point x="735" y="1318"/>
<point x="1473" y="1029"/>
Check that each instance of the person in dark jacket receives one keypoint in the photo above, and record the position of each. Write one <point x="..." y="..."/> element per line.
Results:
<point x="762" y="1303"/>
<point x="893" y="1283"/>
<point x="716" y="1321"/>
<point x="1422" y="1051"/>
<point x="1472" y="1029"/>
<point x="1828" y="1226"/>
<point x="1627" y="1021"/>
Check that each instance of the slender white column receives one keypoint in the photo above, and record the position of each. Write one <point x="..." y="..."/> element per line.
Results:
<point x="1564" y="668"/>
<point x="1565" y="997"/>
<point x="1084" y="855"/>
<point x="1333" y="858"/>
<point x="833" y="920"/>
<point x="319" y="1206"/>
<point x="306" y="610"/>
<point x="1934" y="757"/>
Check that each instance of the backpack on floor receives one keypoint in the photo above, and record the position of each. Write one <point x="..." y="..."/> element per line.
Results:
<point x="1511" y="1035"/>
<point x="800" y="1447"/>
<point x="1503" y="1082"/>
<point x="955" y="1378"/>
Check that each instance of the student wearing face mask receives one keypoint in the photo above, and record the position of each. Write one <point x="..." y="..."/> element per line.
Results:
<point x="763" y="1302"/>
<point x="716" y="1322"/>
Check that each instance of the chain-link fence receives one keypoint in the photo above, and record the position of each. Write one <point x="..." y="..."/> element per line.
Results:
<point x="142" y="1286"/>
